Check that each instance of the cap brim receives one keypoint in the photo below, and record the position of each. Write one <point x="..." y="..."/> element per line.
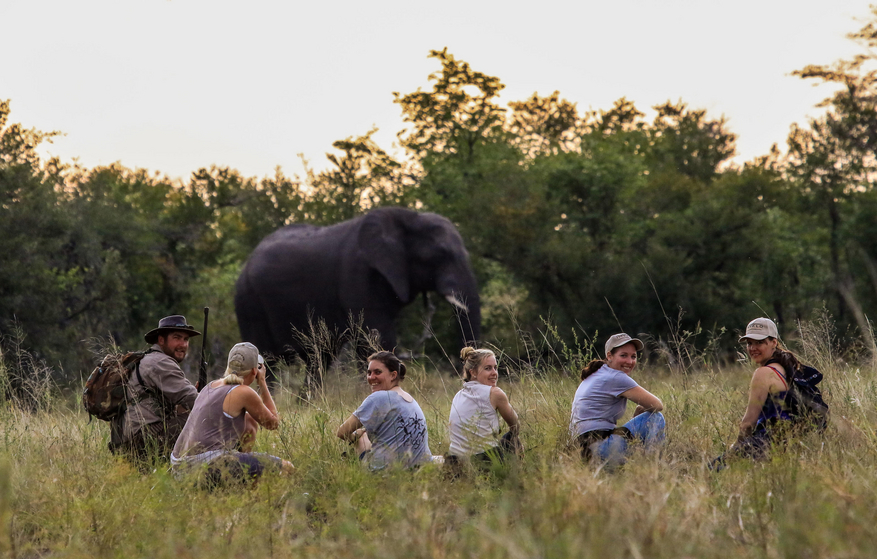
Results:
<point x="637" y="343"/>
<point x="757" y="337"/>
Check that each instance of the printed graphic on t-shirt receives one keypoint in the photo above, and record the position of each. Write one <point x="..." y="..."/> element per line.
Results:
<point x="412" y="429"/>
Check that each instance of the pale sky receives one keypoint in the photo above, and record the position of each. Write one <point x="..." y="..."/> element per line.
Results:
<point x="175" y="85"/>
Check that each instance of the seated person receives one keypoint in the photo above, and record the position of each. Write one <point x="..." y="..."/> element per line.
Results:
<point x="389" y="427"/>
<point x="221" y="429"/>
<point x="601" y="400"/>
<point x="161" y="397"/>
<point x="474" y="425"/>
<point x="767" y="413"/>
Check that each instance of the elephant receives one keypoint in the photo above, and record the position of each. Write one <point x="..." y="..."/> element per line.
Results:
<point x="369" y="268"/>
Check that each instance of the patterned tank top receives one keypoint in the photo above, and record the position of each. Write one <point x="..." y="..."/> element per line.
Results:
<point x="774" y="408"/>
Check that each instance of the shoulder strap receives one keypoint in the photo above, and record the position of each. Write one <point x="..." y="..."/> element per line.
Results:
<point x="779" y="374"/>
<point x="140" y="378"/>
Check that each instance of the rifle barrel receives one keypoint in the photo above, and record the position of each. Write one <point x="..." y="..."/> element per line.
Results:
<point x="202" y="370"/>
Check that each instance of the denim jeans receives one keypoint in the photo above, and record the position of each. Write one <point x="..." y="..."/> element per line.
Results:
<point x="647" y="427"/>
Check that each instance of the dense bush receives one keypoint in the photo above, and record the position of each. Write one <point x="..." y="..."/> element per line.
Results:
<point x="594" y="221"/>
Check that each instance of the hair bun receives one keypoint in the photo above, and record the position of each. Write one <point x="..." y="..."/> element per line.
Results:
<point x="466" y="352"/>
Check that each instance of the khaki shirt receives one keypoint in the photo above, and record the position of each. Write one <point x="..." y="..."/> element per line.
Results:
<point x="166" y="393"/>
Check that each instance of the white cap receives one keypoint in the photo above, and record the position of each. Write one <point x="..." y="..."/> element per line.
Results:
<point x="759" y="329"/>
<point x="619" y="340"/>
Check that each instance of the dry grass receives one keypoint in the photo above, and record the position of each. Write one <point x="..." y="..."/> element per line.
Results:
<point x="63" y="495"/>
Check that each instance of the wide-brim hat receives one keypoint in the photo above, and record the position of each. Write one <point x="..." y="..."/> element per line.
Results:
<point x="173" y="323"/>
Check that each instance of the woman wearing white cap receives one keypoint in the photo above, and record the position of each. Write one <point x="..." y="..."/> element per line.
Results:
<point x="221" y="429"/>
<point x="601" y="400"/>
<point x="768" y="388"/>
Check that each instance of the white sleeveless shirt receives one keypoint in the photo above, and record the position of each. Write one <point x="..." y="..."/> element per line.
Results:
<point x="474" y="424"/>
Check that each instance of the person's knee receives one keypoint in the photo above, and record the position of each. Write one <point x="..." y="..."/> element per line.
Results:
<point x="363" y="444"/>
<point x="657" y="419"/>
<point x="248" y="436"/>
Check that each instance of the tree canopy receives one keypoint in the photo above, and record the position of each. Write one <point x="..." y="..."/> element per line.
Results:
<point x="587" y="222"/>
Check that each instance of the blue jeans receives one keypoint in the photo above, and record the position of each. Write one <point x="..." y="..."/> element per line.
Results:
<point x="647" y="427"/>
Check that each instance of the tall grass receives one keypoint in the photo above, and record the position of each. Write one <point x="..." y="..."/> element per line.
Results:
<point x="63" y="495"/>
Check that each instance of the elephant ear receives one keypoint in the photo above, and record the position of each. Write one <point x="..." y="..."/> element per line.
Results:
<point x="381" y="245"/>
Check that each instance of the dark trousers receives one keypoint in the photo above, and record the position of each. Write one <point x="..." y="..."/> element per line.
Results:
<point x="509" y="445"/>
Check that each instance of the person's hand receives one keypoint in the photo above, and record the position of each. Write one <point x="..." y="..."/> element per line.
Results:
<point x="260" y="373"/>
<point x="357" y="435"/>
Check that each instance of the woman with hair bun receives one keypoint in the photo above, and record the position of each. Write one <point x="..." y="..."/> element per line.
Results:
<point x="389" y="427"/>
<point x="601" y="401"/>
<point x="474" y="423"/>
<point x="221" y="430"/>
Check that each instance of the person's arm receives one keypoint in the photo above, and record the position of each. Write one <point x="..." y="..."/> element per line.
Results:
<point x="758" y="390"/>
<point x="644" y="400"/>
<point x="247" y="401"/>
<point x="260" y="407"/>
<point x="351" y="429"/>
<point x="166" y="377"/>
<point x="500" y="402"/>
<point x="264" y="393"/>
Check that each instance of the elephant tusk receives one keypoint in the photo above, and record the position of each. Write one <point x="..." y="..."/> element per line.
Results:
<point x="452" y="299"/>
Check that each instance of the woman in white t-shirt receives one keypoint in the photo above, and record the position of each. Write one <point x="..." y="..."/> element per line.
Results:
<point x="474" y="421"/>
<point x="601" y="401"/>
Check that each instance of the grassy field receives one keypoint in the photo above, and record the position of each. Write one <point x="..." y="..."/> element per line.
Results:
<point x="63" y="495"/>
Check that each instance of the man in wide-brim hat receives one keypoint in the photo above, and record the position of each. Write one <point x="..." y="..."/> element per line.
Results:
<point x="160" y="395"/>
<point x="173" y="323"/>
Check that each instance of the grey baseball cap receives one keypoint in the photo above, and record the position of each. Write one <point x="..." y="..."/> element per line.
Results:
<point x="243" y="357"/>
<point x="619" y="340"/>
<point x="759" y="329"/>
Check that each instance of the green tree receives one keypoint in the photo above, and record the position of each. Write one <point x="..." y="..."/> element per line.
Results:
<point x="56" y="281"/>
<point x="363" y="177"/>
<point x="832" y="160"/>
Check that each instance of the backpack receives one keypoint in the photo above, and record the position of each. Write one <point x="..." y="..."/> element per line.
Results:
<point x="106" y="391"/>
<point x="805" y="400"/>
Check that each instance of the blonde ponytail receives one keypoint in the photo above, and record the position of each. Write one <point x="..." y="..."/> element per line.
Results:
<point x="231" y="377"/>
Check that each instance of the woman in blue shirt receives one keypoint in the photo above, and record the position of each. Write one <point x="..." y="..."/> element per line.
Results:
<point x="601" y="401"/>
<point x="389" y="426"/>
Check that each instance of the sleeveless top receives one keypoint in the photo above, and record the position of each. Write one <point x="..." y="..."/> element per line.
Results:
<point x="474" y="424"/>
<point x="774" y="408"/>
<point x="208" y="427"/>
